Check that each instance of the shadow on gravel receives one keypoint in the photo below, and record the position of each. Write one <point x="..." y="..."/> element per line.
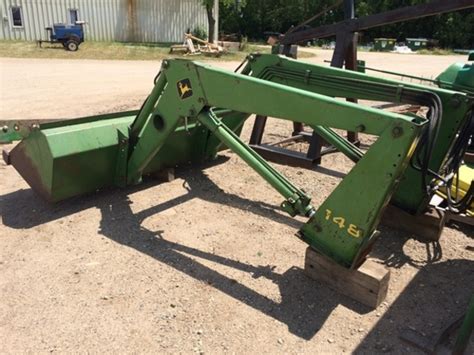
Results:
<point x="305" y="305"/>
<point x="24" y="209"/>
<point x="437" y="296"/>
<point x="390" y="249"/>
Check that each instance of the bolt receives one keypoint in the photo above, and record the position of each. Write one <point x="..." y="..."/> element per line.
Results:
<point x="5" y="129"/>
<point x="317" y="227"/>
<point x="455" y="102"/>
<point x="360" y="128"/>
<point x="165" y="64"/>
<point x="397" y="132"/>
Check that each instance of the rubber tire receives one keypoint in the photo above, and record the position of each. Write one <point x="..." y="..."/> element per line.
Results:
<point x="72" y="45"/>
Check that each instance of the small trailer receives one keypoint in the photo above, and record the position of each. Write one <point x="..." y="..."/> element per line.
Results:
<point x="69" y="35"/>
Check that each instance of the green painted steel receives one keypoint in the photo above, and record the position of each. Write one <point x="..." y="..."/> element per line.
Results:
<point x="411" y="195"/>
<point x="459" y="76"/>
<point x="195" y="109"/>
<point x="465" y="331"/>
<point x="13" y="131"/>
<point x="297" y="202"/>
<point x="74" y="157"/>
<point x="344" y="226"/>
<point x="342" y="144"/>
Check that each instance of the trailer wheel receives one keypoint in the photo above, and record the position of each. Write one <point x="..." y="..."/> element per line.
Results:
<point x="72" y="45"/>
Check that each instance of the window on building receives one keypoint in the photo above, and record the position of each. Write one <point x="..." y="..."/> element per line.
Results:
<point x="73" y="16"/>
<point x="17" y="17"/>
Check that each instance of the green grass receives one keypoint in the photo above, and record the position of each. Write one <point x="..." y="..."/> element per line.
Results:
<point x="436" y="51"/>
<point x="116" y="51"/>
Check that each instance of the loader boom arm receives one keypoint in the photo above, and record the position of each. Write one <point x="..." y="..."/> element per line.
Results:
<point x="344" y="225"/>
<point x="411" y="195"/>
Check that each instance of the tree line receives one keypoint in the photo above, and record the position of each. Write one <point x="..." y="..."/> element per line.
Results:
<point x="253" y="18"/>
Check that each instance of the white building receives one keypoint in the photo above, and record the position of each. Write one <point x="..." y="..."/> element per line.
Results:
<point x="106" y="20"/>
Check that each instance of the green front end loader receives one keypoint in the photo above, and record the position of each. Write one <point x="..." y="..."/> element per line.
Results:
<point x="195" y="110"/>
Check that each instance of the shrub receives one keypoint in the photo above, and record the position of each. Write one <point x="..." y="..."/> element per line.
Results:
<point x="199" y="32"/>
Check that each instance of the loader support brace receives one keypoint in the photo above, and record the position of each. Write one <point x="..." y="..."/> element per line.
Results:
<point x="297" y="202"/>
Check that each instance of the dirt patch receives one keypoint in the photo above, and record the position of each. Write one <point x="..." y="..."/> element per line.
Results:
<point x="206" y="263"/>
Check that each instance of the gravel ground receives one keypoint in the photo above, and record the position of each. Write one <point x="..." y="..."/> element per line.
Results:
<point x="206" y="263"/>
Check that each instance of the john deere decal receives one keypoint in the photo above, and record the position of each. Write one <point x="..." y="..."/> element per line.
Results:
<point x="184" y="89"/>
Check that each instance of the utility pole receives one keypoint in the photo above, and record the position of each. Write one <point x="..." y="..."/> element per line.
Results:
<point x="216" y="24"/>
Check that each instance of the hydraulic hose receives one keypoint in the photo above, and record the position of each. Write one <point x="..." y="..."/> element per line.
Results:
<point x="383" y="92"/>
<point x="453" y="164"/>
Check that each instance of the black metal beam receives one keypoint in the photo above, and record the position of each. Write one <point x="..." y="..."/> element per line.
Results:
<point x="398" y="15"/>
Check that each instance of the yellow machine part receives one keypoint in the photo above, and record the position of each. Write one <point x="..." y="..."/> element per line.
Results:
<point x="466" y="176"/>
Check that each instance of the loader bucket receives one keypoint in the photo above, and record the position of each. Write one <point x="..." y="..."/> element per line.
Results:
<point x="63" y="159"/>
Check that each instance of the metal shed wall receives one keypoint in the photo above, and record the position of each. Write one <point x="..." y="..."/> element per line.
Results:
<point x="107" y="20"/>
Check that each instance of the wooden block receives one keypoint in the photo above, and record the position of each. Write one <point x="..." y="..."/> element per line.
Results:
<point x="428" y="226"/>
<point x="368" y="284"/>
